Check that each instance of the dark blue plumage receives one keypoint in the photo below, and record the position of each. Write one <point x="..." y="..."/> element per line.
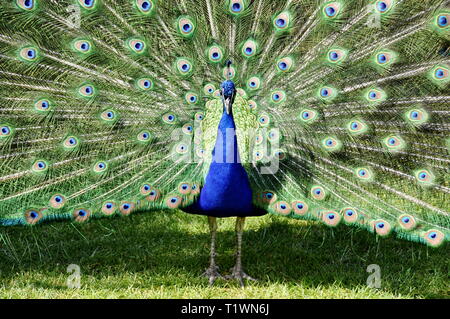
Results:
<point x="227" y="191"/>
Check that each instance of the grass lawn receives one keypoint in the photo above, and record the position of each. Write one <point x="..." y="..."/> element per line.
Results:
<point x="162" y="254"/>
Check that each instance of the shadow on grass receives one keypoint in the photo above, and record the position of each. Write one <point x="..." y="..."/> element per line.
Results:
<point x="171" y="248"/>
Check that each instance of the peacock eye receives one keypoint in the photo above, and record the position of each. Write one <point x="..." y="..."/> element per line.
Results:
<point x="236" y="7"/>
<point x="88" y="4"/>
<point x="28" y="4"/>
<point x="442" y="21"/>
<point x="439" y="73"/>
<point x="382" y="58"/>
<point x="281" y="23"/>
<point x="187" y="27"/>
<point x="334" y="56"/>
<point x="382" y="6"/>
<point x="330" y="11"/>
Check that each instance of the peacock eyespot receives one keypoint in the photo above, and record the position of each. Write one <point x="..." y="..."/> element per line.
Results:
<point x="382" y="58"/>
<point x="187" y="27"/>
<point x="330" y="11"/>
<point x="281" y="23"/>
<point x="382" y="6"/>
<point x="26" y="4"/>
<point x="5" y="131"/>
<point x="236" y="7"/>
<point x="32" y="216"/>
<point x="334" y="56"/>
<point x="442" y="21"/>
<point x="381" y="227"/>
<point x="439" y="73"/>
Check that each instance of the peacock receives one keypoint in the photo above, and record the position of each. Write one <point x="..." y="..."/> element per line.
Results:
<point x="330" y="111"/>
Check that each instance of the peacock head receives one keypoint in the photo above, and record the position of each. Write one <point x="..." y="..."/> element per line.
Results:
<point x="228" y="92"/>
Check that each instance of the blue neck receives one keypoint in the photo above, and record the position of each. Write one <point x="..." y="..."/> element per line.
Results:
<point x="226" y="147"/>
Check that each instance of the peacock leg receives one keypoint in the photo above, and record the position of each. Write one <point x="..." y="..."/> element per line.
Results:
<point x="236" y="271"/>
<point x="212" y="272"/>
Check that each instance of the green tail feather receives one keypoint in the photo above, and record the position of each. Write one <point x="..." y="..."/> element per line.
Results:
<point x="342" y="111"/>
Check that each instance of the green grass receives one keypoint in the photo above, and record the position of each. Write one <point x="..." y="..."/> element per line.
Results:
<point x="162" y="254"/>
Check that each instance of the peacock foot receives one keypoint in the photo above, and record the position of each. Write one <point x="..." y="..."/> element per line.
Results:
<point x="240" y="275"/>
<point x="212" y="274"/>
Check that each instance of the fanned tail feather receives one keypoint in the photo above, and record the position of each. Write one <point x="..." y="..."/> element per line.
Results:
<point x="108" y="107"/>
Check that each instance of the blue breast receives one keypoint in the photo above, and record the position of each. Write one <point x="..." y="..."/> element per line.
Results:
<point x="226" y="191"/>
